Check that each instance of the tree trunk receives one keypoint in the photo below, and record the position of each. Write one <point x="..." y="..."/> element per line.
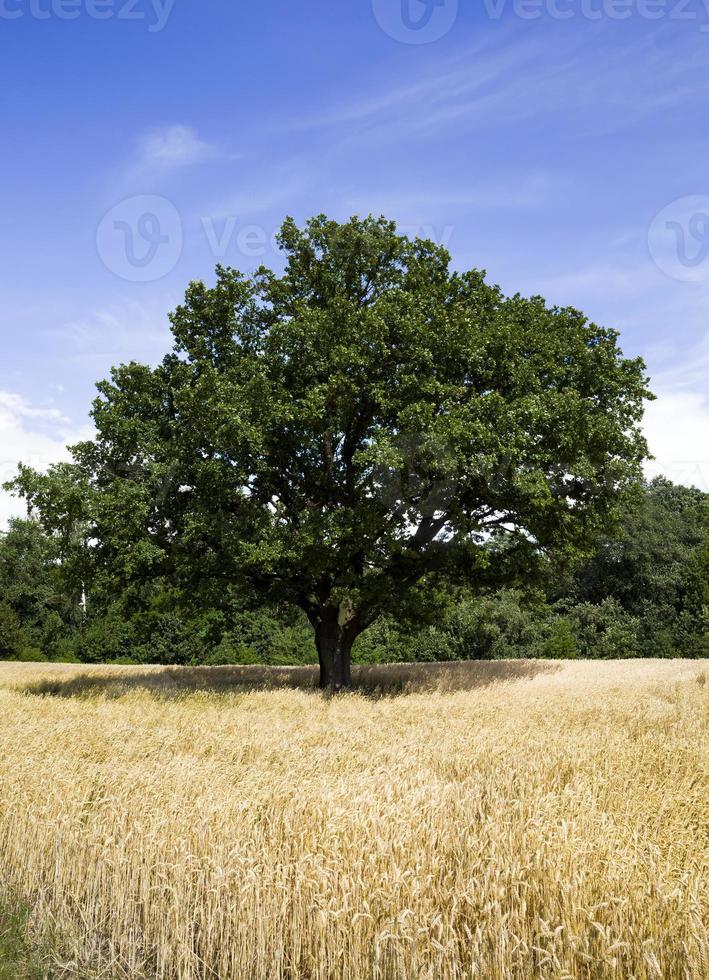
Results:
<point x="334" y="641"/>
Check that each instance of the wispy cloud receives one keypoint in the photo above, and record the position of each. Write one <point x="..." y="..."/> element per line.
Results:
<point x="166" y="150"/>
<point x="504" y="81"/>
<point x="274" y="189"/>
<point x="472" y="72"/>
<point x="529" y="191"/>
<point x="687" y="373"/>
<point x="124" y="331"/>
<point x="621" y="276"/>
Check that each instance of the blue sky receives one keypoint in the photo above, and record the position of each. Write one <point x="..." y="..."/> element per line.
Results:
<point x="560" y="144"/>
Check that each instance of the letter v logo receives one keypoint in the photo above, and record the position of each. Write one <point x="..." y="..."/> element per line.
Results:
<point x="416" y="21"/>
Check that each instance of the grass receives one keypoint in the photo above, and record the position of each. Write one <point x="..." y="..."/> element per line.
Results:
<point x="20" y="957"/>
<point x="493" y="820"/>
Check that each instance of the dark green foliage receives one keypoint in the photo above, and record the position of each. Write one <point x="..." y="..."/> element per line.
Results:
<point x="457" y="625"/>
<point x="645" y="565"/>
<point x="32" y="587"/>
<point x="32" y="655"/>
<point x="504" y="625"/>
<point x="606" y="630"/>
<point x="13" y="638"/>
<point x="270" y="636"/>
<point x="561" y="644"/>
<point x="693" y="622"/>
<point x="650" y="580"/>
<point x="105" y="639"/>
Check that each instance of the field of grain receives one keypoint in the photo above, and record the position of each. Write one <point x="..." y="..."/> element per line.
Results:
<point x="546" y="820"/>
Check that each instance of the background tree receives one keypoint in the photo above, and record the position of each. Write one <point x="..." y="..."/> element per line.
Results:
<point x="13" y="639"/>
<point x="346" y="434"/>
<point x="36" y="609"/>
<point x="651" y="568"/>
<point x="645" y="563"/>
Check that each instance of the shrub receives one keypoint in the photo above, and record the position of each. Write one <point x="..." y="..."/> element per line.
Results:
<point x="64" y="651"/>
<point x="500" y="626"/>
<point x="385" y="642"/>
<point x="294" y="644"/>
<point x="106" y="639"/>
<point x="33" y="655"/>
<point x="606" y="630"/>
<point x="692" y="633"/>
<point x="170" y="640"/>
<point x="561" y="643"/>
<point x="12" y="637"/>
<point x="227" y="654"/>
<point x="493" y="627"/>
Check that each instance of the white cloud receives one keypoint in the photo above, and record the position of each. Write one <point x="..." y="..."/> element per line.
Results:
<point x="32" y="435"/>
<point x="677" y="430"/>
<point x="173" y="146"/>
<point x="677" y="423"/>
<point x="16" y="406"/>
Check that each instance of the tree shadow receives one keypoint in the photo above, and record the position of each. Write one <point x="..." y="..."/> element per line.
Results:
<point x="378" y="680"/>
<point x="464" y="675"/>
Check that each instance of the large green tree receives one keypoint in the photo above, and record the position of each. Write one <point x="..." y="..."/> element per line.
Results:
<point x="349" y="432"/>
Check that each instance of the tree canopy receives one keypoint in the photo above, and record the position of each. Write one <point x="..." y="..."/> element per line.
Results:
<point x="350" y="431"/>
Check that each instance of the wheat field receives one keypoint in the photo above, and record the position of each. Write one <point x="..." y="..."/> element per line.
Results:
<point x="548" y="821"/>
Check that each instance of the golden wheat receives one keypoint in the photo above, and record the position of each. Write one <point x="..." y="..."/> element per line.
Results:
<point x="550" y="821"/>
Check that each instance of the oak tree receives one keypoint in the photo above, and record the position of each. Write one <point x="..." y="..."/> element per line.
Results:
<point x="345" y="432"/>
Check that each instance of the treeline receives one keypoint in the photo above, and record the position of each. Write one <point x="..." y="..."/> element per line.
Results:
<point x="645" y="593"/>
